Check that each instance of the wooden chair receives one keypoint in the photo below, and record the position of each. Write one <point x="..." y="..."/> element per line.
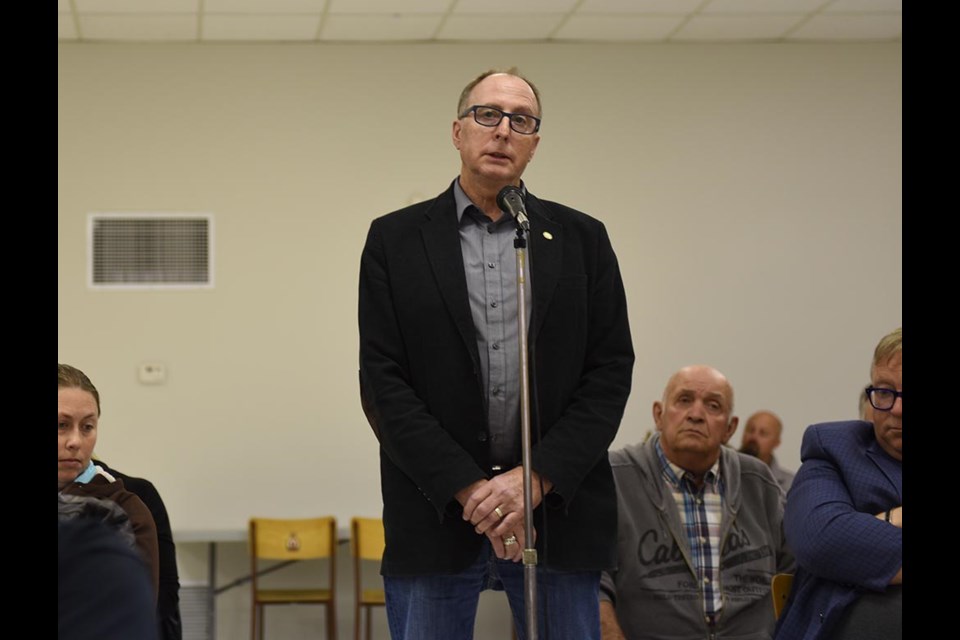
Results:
<point x="780" y="590"/>
<point x="366" y="543"/>
<point x="288" y="541"/>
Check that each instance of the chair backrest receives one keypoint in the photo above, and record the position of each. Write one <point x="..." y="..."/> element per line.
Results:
<point x="366" y="543"/>
<point x="293" y="539"/>
<point x="366" y="538"/>
<point x="780" y="590"/>
<point x="280" y="542"/>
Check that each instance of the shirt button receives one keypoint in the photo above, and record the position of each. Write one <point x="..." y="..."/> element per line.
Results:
<point x="706" y="581"/>
<point x="492" y="265"/>
<point x="493" y="304"/>
<point x="496" y="346"/>
<point x="482" y="436"/>
<point x="490" y="228"/>
<point x="496" y="391"/>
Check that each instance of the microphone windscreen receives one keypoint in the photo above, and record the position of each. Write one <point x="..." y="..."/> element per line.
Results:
<point x="507" y="194"/>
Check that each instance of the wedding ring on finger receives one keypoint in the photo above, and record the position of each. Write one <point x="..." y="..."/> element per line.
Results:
<point x="509" y="540"/>
<point x="499" y="512"/>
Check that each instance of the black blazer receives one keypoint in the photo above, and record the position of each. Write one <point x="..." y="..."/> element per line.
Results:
<point x="168" y="597"/>
<point x="421" y="387"/>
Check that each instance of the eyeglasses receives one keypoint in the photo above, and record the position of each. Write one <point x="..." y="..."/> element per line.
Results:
<point x="491" y="117"/>
<point x="883" y="399"/>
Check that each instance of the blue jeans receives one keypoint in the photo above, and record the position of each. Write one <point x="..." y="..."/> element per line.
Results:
<point x="445" y="607"/>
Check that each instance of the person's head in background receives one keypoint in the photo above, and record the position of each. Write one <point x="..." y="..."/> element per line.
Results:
<point x="886" y="393"/>
<point x="761" y="435"/>
<point x="866" y="409"/>
<point x="78" y="414"/>
<point x="695" y="417"/>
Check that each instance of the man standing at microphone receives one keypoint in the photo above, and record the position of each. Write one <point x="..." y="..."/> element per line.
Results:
<point x="440" y="383"/>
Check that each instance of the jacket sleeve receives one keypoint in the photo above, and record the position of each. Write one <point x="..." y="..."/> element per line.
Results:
<point x="411" y="437"/>
<point x="145" y="531"/>
<point x="574" y="444"/>
<point x="828" y="536"/>
<point x="168" y="597"/>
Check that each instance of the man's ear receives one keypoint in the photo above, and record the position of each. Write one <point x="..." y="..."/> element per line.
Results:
<point x="731" y="429"/>
<point x="657" y="413"/>
<point x="455" y="133"/>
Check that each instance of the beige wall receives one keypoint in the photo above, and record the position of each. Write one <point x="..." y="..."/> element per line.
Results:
<point x="752" y="192"/>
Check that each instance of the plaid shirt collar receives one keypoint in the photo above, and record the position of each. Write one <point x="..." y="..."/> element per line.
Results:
<point x="674" y="474"/>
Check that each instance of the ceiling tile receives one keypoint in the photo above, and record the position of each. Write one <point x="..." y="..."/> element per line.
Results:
<point x="730" y="27"/>
<point x="482" y="20"/>
<point x="269" y="28"/>
<point x="137" y="6"/>
<point x="847" y="27"/>
<point x="498" y="27"/>
<point x="174" y="28"/>
<point x="390" y="6"/>
<point x="263" y="6"/>
<point x="66" y="28"/>
<point x="379" y="27"/>
<point x="865" y="6"/>
<point x="513" y="7"/>
<point x="762" y="6"/>
<point x="618" y="28"/>
<point x="639" y="6"/>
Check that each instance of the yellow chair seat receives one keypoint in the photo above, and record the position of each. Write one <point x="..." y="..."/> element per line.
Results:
<point x="372" y="596"/>
<point x="276" y="596"/>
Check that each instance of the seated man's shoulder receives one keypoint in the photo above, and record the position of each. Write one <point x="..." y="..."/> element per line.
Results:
<point x="752" y="470"/>
<point x="750" y="464"/>
<point x="629" y="456"/>
<point x="844" y="432"/>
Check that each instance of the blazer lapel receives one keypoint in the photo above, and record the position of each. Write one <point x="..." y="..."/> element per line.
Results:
<point x="545" y="242"/>
<point x="441" y="240"/>
<point x="887" y="465"/>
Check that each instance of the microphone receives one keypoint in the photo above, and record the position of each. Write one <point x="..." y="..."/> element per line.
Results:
<point x="510" y="201"/>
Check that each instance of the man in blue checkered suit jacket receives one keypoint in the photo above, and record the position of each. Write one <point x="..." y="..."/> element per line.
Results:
<point x="844" y="518"/>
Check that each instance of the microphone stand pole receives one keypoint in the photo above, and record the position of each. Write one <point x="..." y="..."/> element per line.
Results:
<point x="530" y="551"/>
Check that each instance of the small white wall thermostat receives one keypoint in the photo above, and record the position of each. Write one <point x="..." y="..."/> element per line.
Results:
<point x="152" y="373"/>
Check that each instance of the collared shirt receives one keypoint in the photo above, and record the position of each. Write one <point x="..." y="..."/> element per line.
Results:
<point x="701" y="511"/>
<point x="87" y="474"/>
<point x="490" y="266"/>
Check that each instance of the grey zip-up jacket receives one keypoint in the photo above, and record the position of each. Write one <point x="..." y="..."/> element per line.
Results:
<point x="655" y="589"/>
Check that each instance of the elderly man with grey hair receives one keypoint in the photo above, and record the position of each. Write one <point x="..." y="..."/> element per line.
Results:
<point x="700" y="524"/>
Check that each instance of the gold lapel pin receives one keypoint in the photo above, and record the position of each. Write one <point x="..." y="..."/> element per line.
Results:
<point x="548" y="235"/>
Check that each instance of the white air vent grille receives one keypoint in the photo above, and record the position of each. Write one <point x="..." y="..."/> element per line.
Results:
<point x="150" y="250"/>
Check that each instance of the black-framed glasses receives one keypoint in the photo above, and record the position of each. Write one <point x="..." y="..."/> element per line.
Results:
<point x="491" y="117"/>
<point x="883" y="399"/>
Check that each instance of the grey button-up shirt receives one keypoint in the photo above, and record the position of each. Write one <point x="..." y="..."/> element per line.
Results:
<point x="490" y="266"/>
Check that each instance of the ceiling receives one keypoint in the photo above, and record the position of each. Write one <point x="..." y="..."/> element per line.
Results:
<point x="479" y="20"/>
